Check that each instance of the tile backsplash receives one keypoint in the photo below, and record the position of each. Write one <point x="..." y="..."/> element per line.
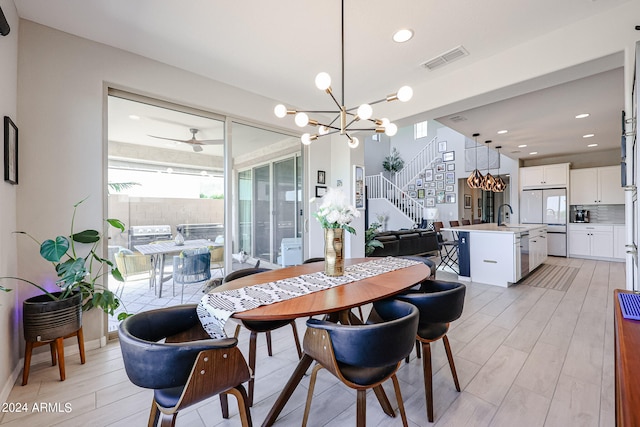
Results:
<point x="602" y="214"/>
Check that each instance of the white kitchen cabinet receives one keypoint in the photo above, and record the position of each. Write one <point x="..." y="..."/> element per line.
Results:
<point x="591" y="241"/>
<point x="619" y="236"/>
<point x="596" y="186"/>
<point x="545" y="176"/>
<point x="537" y="248"/>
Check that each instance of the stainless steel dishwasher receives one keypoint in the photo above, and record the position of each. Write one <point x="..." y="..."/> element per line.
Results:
<point x="524" y="255"/>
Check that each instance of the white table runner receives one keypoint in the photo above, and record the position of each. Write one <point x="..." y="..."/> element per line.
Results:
<point x="215" y="308"/>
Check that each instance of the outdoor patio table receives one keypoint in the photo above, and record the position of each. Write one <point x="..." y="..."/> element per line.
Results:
<point x="158" y="252"/>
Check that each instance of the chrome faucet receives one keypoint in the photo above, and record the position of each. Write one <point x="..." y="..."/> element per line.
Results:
<point x="500" y="223"/>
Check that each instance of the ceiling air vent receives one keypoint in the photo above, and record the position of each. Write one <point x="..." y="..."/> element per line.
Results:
<point x="456" y="119"/>
<point x="445" y="58"/>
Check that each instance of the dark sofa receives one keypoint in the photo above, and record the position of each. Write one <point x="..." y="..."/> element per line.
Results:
<point x="414" y="244"/>
<point x="406" y="242"/>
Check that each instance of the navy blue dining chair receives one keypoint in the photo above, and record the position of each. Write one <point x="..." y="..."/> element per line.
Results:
<point x="439" y="304"/>
<point x="364" y="356"/>
<point x="167" y="350"/>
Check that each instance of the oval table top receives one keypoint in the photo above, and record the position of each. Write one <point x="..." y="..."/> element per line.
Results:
<point x="339" y="298"/>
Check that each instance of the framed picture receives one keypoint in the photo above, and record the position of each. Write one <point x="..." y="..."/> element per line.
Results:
<point x="440" y="197"/>
<point x="322" y="177"/>
<point x="419" y="183"/>
<point x="428" y="175"/>
<point x="467" y="201"/>
<point x="450" y="177"/>
<point x="451" y="166"/>
<point x="441" y="167"/>
<point x="431" y="192"/>
<point x="449" y="156"/>
<point x="421" y="175"/>
<point x="358" y="186"/>
<point x="412" y="187"/>
<point x="421" y="193"/>
<point x="439" y="176"/>
<point x="448" y="188"/>
<point x="321" y="190"/>
<point x="450" y="198"/>
<point x="432" y="184"/>
<point x="442" y="146"/>
<point x="440" y="185"/>
<point x="10" y="151"/>
<point x="430" y="201"/>
<point x="413" y="194"/>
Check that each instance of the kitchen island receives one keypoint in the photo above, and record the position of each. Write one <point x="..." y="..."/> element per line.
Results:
<point x="500" y="255"/>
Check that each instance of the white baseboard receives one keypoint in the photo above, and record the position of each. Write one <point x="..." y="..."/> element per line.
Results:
<point x="45" y="356"/>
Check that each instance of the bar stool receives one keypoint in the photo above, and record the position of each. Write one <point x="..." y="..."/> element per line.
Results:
<point x="448" y="250"/>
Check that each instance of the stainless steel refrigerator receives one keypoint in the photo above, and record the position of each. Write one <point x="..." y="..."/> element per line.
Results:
<point x="548" y="206"/>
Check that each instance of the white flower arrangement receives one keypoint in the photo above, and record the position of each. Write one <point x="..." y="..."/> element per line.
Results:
<point x="335" y="211"/>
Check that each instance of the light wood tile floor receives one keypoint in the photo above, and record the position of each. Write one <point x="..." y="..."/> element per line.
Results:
<point x="526" y="356"/>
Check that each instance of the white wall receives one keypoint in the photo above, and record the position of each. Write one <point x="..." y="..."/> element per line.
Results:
<point x="9" y="332"/>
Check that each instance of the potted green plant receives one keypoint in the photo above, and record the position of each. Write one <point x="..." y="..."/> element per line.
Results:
<point x="393" y="163"/>
<point x="370" y="241"/>
<point x="79" y="270"/>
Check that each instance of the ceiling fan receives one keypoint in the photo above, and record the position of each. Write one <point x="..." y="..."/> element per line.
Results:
<point x="196" y="144"/>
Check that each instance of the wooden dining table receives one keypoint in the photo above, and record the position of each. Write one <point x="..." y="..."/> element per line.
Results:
<point x="336" y="302"/>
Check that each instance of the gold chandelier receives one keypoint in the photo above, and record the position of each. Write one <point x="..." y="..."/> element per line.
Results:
<point x="499" y="186"/>
<point x="488" y="181"/>
<point x="475" y="179"/>
<point x="345" y="119"/>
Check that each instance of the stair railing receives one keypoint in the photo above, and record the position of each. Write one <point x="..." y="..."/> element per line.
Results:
<point x="379" y="187"/>
<point x="413" y="168"/>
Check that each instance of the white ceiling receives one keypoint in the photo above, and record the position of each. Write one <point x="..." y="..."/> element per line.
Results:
<point x="275" y="49"/>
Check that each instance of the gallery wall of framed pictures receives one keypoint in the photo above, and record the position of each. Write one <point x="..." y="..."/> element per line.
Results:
<point x="437" y="184"/>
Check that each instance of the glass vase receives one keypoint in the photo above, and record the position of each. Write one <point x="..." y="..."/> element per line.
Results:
<point x="333" y="251"/>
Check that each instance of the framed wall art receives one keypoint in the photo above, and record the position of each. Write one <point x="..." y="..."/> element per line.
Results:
<point x="430" y="201"/>
<point x="421" y="193"/>
<point x="413" y="194"/>
<point x="322" y="177"/>
<point x="431" y="192"/>
<point x="411" y="187"/>
<point x="439" y="177"/>
<point x="451" y="166"/>
<point x="358" y="186"/>
<point x="320" y="191"/>
<point x="441" y="167"/>
<point x="440" y="185"/>
<point x="448" y="188"/>
<point x="449" y="156"/>
<point x="10" y="151"/>
<point x="467" y="201"/>
<point x="419" y="183"/>
<point x="442" y="146"/>
<point x="450" y="198"/>
<point x="450" y="177"/>
<point x="440" y="197"/>
<point x="428" y="175"/>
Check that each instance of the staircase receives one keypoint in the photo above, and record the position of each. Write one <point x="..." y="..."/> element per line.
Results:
<point x="417" y="165"/>
<point x="379" y="187"/>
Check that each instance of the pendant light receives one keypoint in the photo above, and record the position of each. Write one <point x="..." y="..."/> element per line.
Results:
<point x="488" y="181"/>
<point x="499" y="185"/>
<point x="475" y="179"/>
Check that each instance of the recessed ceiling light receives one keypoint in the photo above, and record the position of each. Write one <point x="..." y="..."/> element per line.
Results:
<point x="533" y="152"/>
<point x="582" y="116"/>
<point x="501" y="132"/>
<point x="403" y="35"/>
<point x="522" y="145"/>
<point x="592" y="145"/>
<point x="589" y="135"/>
<point x="134" y="117"/>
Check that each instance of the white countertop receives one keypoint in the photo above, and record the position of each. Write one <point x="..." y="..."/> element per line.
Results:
<point x="493" y="228"/>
